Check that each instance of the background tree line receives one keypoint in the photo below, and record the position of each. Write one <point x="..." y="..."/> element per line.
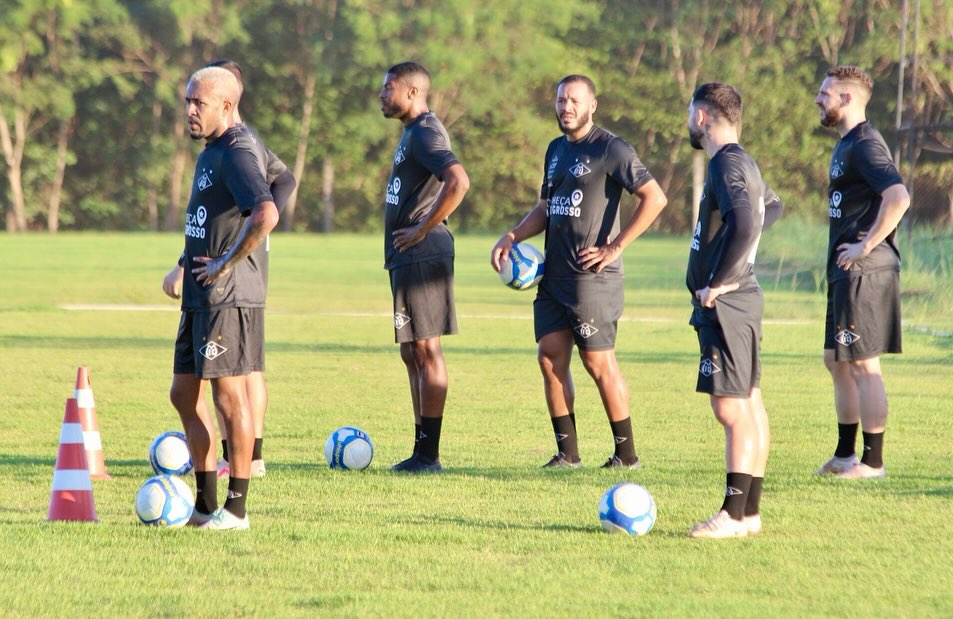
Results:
<point x="92" y="121"/>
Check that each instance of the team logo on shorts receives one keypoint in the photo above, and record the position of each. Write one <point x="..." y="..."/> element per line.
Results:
<point x="212" y="351"/>
<point x="846" y="338"/>
<point x="579" y="169"/>
<point x="586" y="330"/>
<point x="400" y="321"/>
<point x="708" y="367"/>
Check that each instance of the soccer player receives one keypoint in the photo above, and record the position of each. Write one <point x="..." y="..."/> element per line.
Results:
<point x="728" y="304"/>
<point x="282" y="184"/>
<point x="220" y="336"/>
<point x="580" y="297"/>
<point x="866" y="200"/>
<point x="425" y="186"/>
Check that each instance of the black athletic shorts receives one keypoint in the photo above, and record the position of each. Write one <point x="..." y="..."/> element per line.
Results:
<point x="729" y="338"/>
<point x="223" y="342"/>
<point x="589" y="307"/>
<point x="423" y="300"/>
<point x="863" y="316"/>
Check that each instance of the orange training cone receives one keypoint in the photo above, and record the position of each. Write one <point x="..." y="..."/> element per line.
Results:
<point x="72" y="495"/>
<point x="87" y="418"/>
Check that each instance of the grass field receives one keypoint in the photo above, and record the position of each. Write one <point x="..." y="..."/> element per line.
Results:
<point x="492" y="536"/>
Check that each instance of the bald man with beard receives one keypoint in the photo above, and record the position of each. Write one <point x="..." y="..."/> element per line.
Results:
<point x="221" y="331"/>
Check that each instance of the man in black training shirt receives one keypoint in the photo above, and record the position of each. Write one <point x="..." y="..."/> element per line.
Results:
<point x="866" y="200"/>
<point x="221" y="333"/>
<point x="425" y="186"/>
<point x="728" y="305"/>
<point x="580" y="296"/>
<point x="282" y="184"/>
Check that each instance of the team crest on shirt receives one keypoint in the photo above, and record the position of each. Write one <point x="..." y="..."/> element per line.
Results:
<point x="399" y="156"/>
<point x="212" y="351"/>
<point x="846" y="338"/>
<point x="586" y="330"/>
<point x="708" y="367"/>
<point x="400" y="320"/>
<point x="837" y="169"/>
<point x="580" y="169"/>
<point x="205" y="181"/>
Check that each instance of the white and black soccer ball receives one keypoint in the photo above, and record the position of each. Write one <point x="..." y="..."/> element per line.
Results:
<point x="349" y="449"/>
<point x="627" y="508"/>
<point x="169" y="454"/>
<point x="522" y="267"/>
<point x="164" y="501"/>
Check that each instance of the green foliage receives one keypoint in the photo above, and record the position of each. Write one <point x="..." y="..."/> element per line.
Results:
<point x="313" y="68"/>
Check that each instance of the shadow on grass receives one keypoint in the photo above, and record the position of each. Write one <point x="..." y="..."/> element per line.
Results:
<point x="504" y="525"/>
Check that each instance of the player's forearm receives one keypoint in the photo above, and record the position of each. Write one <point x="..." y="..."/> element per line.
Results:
<point x="455" y="187"/>
<point x="895" y="203"/>
<point x="260" y="223"/>
<point x="282" y="188"/>
<point x="532" y="223"/>
<point x="740" y="235"/>
<point x="653" y="200"/>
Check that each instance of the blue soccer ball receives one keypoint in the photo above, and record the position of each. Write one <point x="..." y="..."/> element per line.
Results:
<point x="523" y="267"/>
<point x="349" y="449"/>
<point x="164" y="501"/>
<point x="627" y="508"/>
<point x="169" y="454"/>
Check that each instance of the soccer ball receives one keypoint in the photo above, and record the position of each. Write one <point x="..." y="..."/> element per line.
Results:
<point x="349" y="449"/>
<point x="169" y="454"/>
<point x="164" y="501"/>
<point x="522" y="268"/>
<point x="627" y="508"/>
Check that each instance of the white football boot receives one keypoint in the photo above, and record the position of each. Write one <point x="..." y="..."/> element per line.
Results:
<point x="719" y="526"/>
<point x="836" y="466"/>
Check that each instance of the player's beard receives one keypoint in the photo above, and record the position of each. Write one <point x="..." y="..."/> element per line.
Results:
<point x="831" y="117"/>
<point x="695" y="138"/>
<point x="582" y="119"/>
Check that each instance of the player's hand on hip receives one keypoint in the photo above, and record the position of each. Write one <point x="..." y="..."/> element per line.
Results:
<point x="707" y="295"/>
<point x="849" y="254"/>
<point x="172" y="283"/>
<point x="598" y="258"/>
<point x="212" y="270"/>
<point x="405" y="238"/>
<point x="501" y="251"/>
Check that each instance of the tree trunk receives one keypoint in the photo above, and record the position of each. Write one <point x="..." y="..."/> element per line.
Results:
<point x="302" y="150"/>
<point x="13" y="155"/>
<point x="62" y="150"/>
<point x="327" y="196"/>
<point x="152" y="193"/>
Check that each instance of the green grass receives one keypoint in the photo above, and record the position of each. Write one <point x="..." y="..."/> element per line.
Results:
<point x="494" y="535"/>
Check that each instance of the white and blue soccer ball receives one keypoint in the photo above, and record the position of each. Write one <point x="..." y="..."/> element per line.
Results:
<point x="349" y="449"/>
<point x="169" y="454"/>
<point x="523" y="267"/>
<point x="164" y="501"/>
<point x="627" y="508"/>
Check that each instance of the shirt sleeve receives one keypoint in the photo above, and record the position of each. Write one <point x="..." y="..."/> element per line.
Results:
<point x="274" y="167"/>
<point x="773" y="208"/>
<point x="873" y="161"/>
<point x="623" y="165"/>
<point x="245" y="178"/>
<point x="432" y="150"/>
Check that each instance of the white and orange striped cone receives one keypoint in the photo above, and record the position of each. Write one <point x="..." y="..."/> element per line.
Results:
<point x="72" y="494"/>
<point x="83" y="393"/>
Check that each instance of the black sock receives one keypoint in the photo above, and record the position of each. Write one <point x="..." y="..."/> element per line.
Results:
<point x="416" y="438"/>
<point x="624" y="443"/>
<point x="429" y="444"/>
<point x="224" y="450"/>
<point x="873" y="449"/>
<point x="565" y="431"/>
<point x="237" y="493"/>
<point x="737" y="487"/>
<point x="256" y="450"/>
<point x="753" y="505"/>
<point x="206" y="495"/>
<point x="846" y="439"/>
<point x="572" y="418"/>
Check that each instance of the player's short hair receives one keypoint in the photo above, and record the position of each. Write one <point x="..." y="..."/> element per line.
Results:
<point x="223" y="80"/>
<point x="576" y="77"/>
<point x="412" y="70"/>
<point x="232" y="67"/>
<point x="853" y="74"/>
<point x="723" y="100"/>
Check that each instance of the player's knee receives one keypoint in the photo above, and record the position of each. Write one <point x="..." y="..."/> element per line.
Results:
<point x="862" y="370"/>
